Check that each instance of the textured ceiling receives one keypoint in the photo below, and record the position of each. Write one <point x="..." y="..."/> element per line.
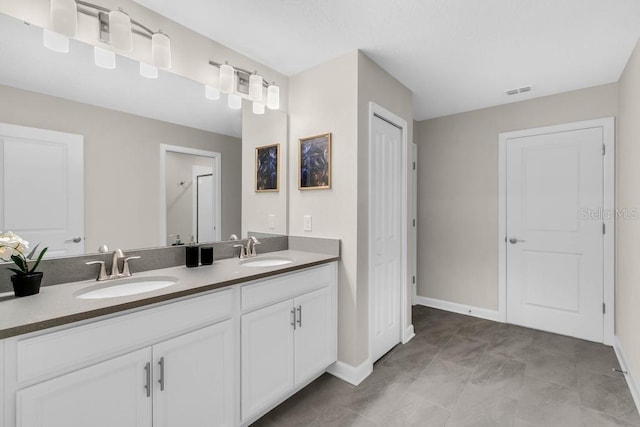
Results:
<point x="455" y="55"/>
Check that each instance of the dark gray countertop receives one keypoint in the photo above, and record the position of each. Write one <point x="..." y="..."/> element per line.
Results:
<point x="57" y="305"/>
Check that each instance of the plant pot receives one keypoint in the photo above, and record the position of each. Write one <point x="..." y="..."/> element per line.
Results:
<point x="26" y="284"/>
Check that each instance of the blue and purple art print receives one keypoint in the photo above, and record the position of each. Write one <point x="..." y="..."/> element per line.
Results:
<point x="267" y="159"/>
<point x="315" y="162"/>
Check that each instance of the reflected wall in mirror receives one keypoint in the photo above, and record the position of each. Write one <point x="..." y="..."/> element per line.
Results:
<point x="124" y="119"/>
<point x="193" y="194"/>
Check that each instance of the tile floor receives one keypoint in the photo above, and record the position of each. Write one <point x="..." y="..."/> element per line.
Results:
<point x="464" y="371"/>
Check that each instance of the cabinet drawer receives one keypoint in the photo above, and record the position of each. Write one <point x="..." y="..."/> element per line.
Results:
<point x="287" y="286"/>
<point x="65" y="350"/>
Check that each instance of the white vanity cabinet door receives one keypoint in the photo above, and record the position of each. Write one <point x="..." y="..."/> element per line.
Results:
<point x="111" y="393"/>
<point x="194" y="379"/>
<point x="314" y="334"/>
<point x="267" y="356"/>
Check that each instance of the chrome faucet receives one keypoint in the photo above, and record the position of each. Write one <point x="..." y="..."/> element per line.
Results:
<point x="251" y="246"/>
<point x="115" y="271"/>
<point x="250" y="249"/>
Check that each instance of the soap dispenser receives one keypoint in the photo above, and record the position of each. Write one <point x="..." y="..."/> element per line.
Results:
<point x="192" y="254"/>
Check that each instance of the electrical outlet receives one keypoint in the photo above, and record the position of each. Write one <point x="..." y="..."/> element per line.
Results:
<point x="307" y="223"/>
<point x="272" y="222"/>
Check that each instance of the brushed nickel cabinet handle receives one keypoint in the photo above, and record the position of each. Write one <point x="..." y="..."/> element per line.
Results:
<point x="161" y="380"/>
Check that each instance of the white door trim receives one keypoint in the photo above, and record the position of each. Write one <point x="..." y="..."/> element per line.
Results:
<point x="406" y="332"/>
<point x="607" y="125"/>
<point x="217" y="185"/>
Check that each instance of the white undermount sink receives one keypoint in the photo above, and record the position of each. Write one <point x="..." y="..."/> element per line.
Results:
<point x="265" y="262"/>
<point x="126" y="287"/>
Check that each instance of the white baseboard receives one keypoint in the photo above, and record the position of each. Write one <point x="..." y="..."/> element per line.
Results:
<point x="409" y="333"/>
<point x="352" y="374"/>
<point x="457" y="308"/>
<point x="631" y="379"/>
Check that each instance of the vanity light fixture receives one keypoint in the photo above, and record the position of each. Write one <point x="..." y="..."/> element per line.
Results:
<point x="116" y="28"/>
<point x="258" y="108"/>
<point x="148" y="71"/>
<point x="240" y="83"/>
<point x="235" y="101"/>
<point x="227" y="78"/>
<point x="104" y="58"/>
<point x="211" y="92"/>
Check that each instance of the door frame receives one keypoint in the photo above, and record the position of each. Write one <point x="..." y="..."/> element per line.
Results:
<point x="406" y="331"/>
<point x="217" y="186"/>
<point x="608" y="131"/>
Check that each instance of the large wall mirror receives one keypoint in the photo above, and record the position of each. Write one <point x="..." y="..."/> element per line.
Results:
<point x="158" y="158"/>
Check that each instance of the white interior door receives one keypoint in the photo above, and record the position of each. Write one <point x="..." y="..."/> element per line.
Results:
<point x="42" y="188"/>
<point x="554" y="190"/>
<point x="385" y="228"/>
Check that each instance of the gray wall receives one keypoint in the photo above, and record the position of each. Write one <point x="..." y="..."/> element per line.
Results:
<point x="628" y="196"/>
<point x="334" y="97"/>
<point x="122" y="164"/>
<point x="458" y="189"/>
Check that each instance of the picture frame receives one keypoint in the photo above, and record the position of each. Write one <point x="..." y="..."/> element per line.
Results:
<point x="314" y="162"/>
<point x="267" y="175"/>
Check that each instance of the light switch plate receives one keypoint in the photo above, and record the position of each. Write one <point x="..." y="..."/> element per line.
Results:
<point x="307" y="223"/>
<point x="272" y="222"/>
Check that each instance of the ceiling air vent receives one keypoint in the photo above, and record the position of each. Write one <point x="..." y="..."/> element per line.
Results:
<point x="522" y="89"/>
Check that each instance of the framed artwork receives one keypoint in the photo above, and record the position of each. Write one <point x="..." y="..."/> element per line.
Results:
<point x="267" y="168"/>
<point x="315" y="162"/>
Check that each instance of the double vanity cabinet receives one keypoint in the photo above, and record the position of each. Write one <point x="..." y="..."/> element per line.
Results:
<point x="218" y="358"/>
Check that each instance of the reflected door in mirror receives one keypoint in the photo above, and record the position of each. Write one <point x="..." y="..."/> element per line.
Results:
<point x="42" y="188"/>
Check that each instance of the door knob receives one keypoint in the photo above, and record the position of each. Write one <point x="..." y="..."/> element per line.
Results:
<point x="514" y="240"/>
<point x="74" y="240"/>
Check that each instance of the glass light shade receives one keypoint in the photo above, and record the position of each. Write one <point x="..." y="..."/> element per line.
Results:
<point x="227" y="78"/>
<point x="161" y="50"/>
<point x="64" y="17"/>
<point x="235" y="102"/>
<point x="54" y="41"/>
<point x="148" y="71"/>
<point x="255" y="87"/>
<point x="273" y="97"/>
<point x="120" y="31"/>
<point x="104" y="58"/>
<point x="258" y="108"/>
<point x="211" y="92"/>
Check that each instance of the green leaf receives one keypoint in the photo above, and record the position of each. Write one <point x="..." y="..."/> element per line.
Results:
<point x="33" y="251"/>
<point x="22" y="265"/>
<point x="44" y="251"/>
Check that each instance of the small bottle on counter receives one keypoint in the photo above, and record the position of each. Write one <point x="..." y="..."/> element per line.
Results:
<point x="206" y="255"/>
<point x="192" y="254"/>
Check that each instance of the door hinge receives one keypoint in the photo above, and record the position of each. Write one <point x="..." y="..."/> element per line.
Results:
<point x="604" y="149"/>
<point x="414" y="280"/>
<point x="604" y="228"/>
<point x="604" y="308"/>
<point x="414" y="222"/>
<point x="414" y="165"/>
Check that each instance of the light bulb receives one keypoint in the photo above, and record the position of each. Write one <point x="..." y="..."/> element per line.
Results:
<point x="211" y="92"/>
<point x="104" y="58"/>
<point x="120" y="31"/>
<point x="227" y="78"/>
<point x="148" y="71"/>
<point x="161" y="50"/>
<point x="235" y="102"/>
<point x="55" y="41"/>
<point x="258" y="108"/>
<point x="64" y="17"/>
<point x="255" y="87"/>
<point x="273" y="97"/>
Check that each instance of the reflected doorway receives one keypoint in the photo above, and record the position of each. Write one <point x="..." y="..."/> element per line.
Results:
<point x="191" y="195"/>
